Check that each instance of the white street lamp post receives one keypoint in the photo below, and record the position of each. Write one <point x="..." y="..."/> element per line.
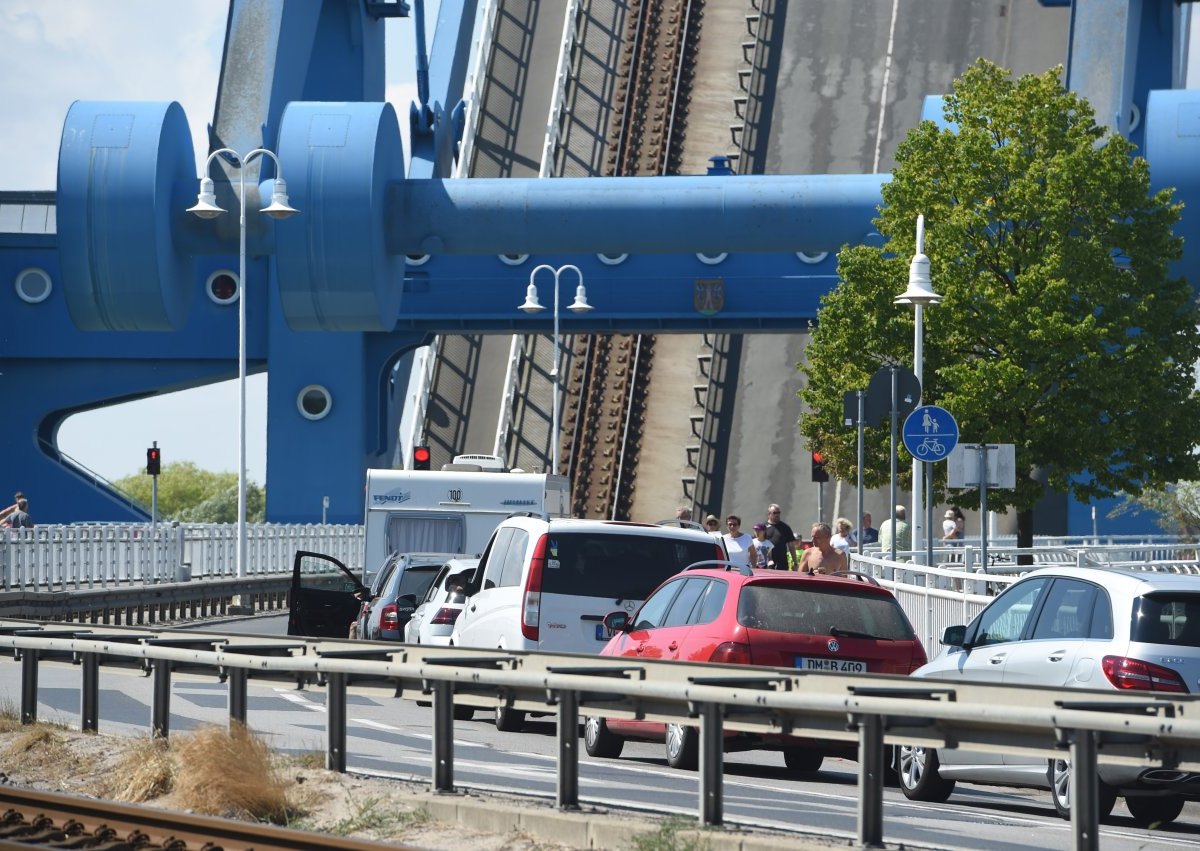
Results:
<point x="206" y="208"/>
<point x="919" y="293"/>
<point x="532" y="305"/>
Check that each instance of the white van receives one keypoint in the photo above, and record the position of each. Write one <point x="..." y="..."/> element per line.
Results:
<point x="547" y="584"/>
<point x="449" y="511"/>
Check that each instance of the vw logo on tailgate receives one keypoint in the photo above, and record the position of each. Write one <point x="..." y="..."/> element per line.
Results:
<point x="833" y="645"/>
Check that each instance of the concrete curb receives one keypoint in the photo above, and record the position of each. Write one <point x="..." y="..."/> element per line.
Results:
<point x="595" y="827"/>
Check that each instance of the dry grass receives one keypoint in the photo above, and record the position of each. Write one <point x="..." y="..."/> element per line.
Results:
<point x="43" y="748"/>
<point x="146" y="772"/>
<point x="231" y="773"/>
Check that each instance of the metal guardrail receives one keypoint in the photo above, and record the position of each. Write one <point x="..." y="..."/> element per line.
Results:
<point x="1127" y="728"/>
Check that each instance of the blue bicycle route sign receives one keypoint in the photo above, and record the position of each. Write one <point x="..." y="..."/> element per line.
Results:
<point x="930" y="433"/>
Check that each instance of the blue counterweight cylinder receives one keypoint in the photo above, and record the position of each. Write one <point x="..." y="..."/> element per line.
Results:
<point x="334" y="270"/>
<point x="1173" y="151"/>
<point x="124" y="170"/>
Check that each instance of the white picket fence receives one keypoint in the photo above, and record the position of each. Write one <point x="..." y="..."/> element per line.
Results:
<point x="66" y="557"/>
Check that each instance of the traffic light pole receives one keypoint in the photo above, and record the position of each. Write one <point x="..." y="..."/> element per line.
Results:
<point x="154" y="511"/>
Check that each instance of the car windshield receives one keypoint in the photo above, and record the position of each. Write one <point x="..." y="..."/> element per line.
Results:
<point x="1167" y="618"/>
<point x="842" y="611"/>
<point x="620" y="566"/>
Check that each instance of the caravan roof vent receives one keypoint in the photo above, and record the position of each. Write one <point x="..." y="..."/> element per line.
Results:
<point x="490" y="463"/>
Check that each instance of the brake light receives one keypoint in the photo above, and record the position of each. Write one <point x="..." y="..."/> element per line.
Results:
<point x="531" y="603"/>
<point x="732" y="653"/>
<point x="1135" y="675"/>
<point x="388" y="619"/>
<point x="918" y="657"/>
<point x="445" y="616"/>
<point x="720" y="556"/>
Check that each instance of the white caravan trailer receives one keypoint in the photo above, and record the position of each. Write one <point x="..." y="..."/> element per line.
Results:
<point x="449" y="510"/>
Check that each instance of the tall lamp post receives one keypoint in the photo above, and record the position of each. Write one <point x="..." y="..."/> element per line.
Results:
<point x="206" y="208"/>
<point x="919" y="293"/>
<point x="532" y="305"/>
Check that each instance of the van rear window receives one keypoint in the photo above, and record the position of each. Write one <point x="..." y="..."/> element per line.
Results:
<point x="619" y="566"/>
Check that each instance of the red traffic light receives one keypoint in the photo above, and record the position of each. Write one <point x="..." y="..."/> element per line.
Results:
<point x="421" y="457"/>
<point x="818" y="468"/>
<point x="153" y="461"/>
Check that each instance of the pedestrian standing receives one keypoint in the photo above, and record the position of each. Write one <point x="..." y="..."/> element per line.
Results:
<point x="868" y="533"/>
<point x="20" y="518"/>
<point x="895" y="536"/>
<point x="683" y="513"/>
<point x="712" y="525"/>
<point x="843" y="535"/>
<point x="8" y="510"/>
<point x="822" y="556"/>
<point x="781" y="537"/>
<point x="761" y="547"/>
<point x="737" y="542"/>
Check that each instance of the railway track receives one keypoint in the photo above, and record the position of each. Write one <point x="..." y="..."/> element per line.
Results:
<point x="36" y="819"/>
<point x="609" y="377"/>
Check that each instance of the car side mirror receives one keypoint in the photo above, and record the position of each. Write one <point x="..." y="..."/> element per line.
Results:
<point x="616" y="622"/>
<point x="955" y="636"/>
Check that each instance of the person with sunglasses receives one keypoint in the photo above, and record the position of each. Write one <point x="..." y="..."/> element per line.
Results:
<point x="737" y="542"/>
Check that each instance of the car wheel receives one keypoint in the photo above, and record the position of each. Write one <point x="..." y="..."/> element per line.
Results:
<point x="509" y="720"/>
<point x="598" y="740"/>
<point x="1148" y="812"/>
<point x="463" y="713"/>
<point x="919" y="778"/>
<point x="683" y="747"/>
<point x="804" y="760"/>
<point x="1059" y="775"/>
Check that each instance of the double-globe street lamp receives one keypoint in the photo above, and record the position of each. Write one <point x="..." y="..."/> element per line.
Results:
<point x="532" y="305"/>
<point x="919" y="293"/>
<point x="206" y="208"/>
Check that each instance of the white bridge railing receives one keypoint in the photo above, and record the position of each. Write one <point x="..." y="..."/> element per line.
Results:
<point x="69" y="557"/>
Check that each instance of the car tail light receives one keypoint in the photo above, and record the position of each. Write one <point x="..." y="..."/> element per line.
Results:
<point x="388" y="619"/>
<point x="732" y="653"/>
<point x="1134" y="674"/>
<point x="918" y="657"/>
<point x="445" y="616"/>
<point x="531" y="603"/>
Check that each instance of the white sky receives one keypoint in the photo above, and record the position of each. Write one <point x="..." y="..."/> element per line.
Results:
<point x="54" y="52"/>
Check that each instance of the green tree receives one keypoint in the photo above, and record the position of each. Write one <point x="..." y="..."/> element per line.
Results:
<point x="189" y="494"/>
<point x="1061" y="329"/>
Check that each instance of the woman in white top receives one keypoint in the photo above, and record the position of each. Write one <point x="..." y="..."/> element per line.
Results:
<point x="843" y="536"/>
<point x="737" y="542"/>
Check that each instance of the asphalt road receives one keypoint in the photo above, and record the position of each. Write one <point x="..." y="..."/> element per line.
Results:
<point x="392" y="737"/>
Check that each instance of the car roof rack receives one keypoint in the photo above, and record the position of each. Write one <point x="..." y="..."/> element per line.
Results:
<point x="712" y="564"/>
<point x="856" y="574"/>
<point x="682" y="524"/>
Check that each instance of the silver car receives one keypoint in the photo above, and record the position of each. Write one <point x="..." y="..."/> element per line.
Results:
<point x="433" y="621"/>
<point x="404" y="579"/>
<point x="1077" y="628"/>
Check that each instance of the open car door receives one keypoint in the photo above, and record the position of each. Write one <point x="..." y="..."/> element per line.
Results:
<point x="325" y="598"/>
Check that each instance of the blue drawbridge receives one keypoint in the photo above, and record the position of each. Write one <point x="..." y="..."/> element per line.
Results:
<point x="125" y="295"/>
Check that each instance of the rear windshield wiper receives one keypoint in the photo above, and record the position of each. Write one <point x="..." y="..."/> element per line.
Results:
<point x="850" y="633"/>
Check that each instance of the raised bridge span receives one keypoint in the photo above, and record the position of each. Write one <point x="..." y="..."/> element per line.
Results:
<point x="803" y="88"/>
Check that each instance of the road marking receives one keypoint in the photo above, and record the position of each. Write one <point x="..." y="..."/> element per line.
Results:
<point x="887" y="76"/>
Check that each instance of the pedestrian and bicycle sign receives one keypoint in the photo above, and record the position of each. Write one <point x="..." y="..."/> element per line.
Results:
<point x="930" y="433"/>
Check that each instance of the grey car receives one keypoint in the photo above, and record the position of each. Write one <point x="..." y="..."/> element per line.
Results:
<point x="404" y="579"/>
<point x="1072" y="628"/>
